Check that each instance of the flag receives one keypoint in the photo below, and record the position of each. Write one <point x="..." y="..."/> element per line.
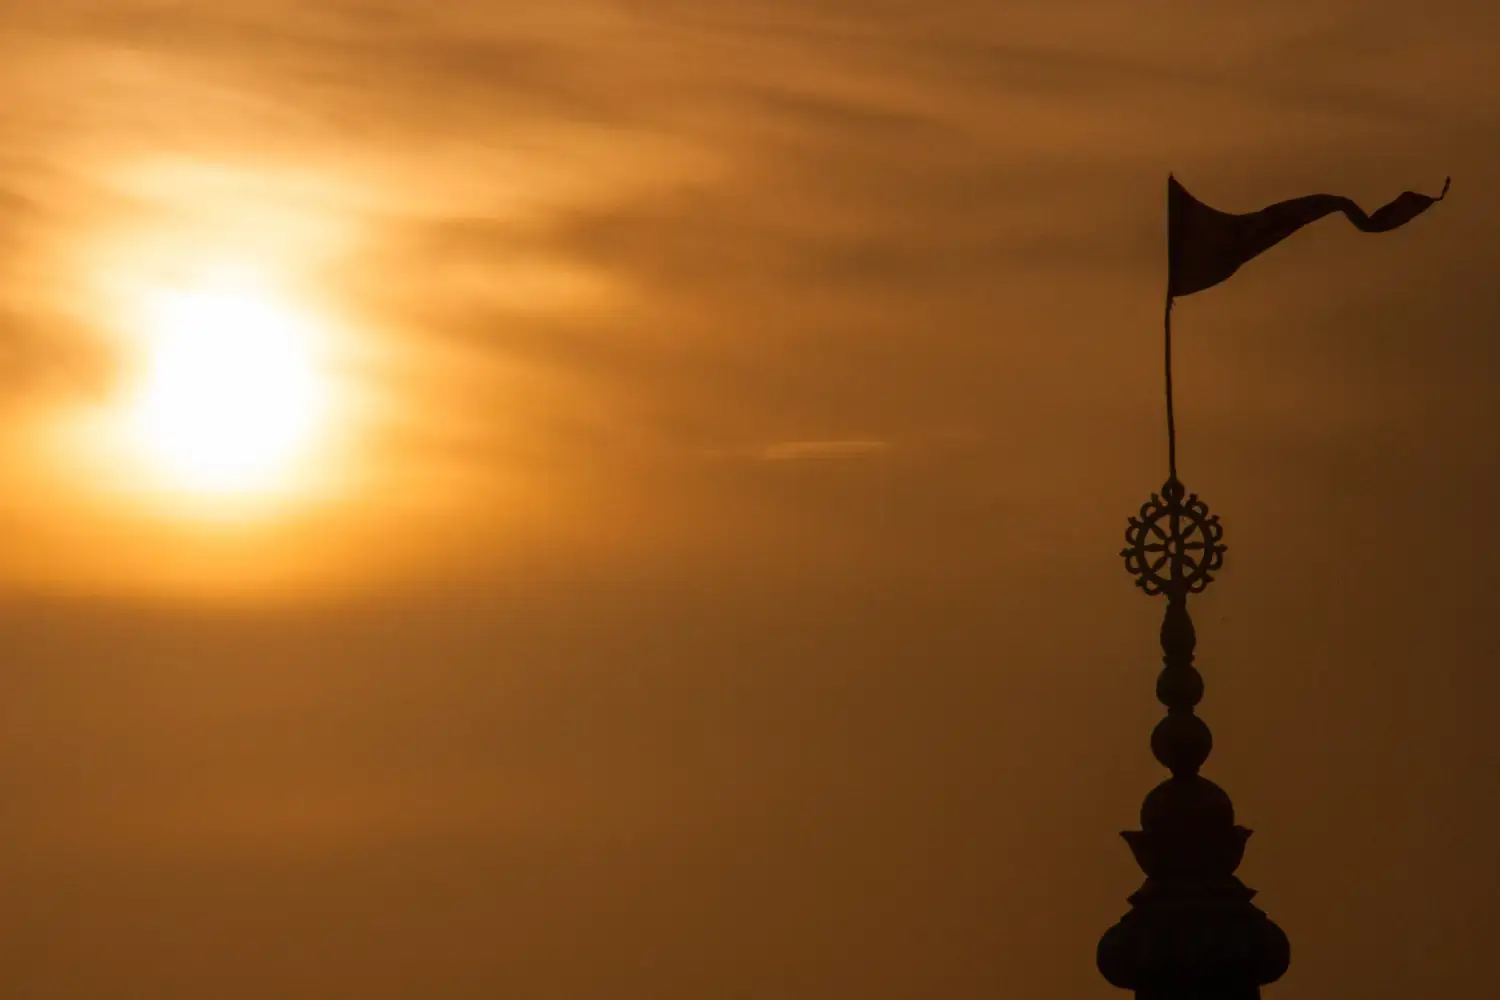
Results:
<point x="1205" y="245"/>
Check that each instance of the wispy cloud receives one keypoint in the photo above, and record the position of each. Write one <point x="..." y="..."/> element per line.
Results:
<point x="784" y="451"/>
<point x="646" y="232"/>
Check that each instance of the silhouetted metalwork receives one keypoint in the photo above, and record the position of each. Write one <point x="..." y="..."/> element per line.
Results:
<point x="1192" y="932"/>
<point x="1175" y="532"/>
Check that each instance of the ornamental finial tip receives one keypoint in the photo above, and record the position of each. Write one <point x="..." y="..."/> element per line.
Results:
<point x="1174" y="544"/>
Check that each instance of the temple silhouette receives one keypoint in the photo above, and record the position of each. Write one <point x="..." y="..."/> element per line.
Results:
<point x="1192" y="932"/>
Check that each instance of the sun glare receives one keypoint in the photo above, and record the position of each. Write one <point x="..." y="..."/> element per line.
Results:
<point x="230" y="394"/>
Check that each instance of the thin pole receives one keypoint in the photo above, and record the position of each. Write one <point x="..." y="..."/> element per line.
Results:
<point x="1171" y="423"/>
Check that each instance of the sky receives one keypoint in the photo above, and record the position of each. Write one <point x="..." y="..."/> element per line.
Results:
<point x="703" y="577"/>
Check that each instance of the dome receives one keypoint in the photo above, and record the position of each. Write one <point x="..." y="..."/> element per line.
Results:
<point x="1187" y="805"/>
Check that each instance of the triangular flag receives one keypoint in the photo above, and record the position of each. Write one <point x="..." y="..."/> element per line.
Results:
<point x="1205" y="245"/>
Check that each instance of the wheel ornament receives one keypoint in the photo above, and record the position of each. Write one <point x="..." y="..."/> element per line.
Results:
<point x="1173" y="546"/>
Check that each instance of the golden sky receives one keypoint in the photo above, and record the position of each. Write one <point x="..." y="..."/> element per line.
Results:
<point x="695" y="569"/>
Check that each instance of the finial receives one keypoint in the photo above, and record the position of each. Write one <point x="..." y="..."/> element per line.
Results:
<point x="1192" y="931"/>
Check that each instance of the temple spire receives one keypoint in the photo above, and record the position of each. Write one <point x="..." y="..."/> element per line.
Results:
<point x="1192" y="932"/>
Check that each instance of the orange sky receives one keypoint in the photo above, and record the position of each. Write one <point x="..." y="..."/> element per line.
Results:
<point x="706" y="581"/>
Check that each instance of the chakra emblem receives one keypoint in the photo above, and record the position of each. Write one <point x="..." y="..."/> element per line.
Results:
<point x="1173" y="546"/>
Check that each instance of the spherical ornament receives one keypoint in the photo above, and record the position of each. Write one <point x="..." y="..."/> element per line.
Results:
<point x="1190" y="805"/>
<point x="1181" y="743"/>
<point x="1179" y="686"/>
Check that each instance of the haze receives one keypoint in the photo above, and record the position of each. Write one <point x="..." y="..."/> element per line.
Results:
<point x="701" y="576"/>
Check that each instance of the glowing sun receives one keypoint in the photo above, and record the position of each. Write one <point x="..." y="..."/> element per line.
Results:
<point x="231" y="393"/>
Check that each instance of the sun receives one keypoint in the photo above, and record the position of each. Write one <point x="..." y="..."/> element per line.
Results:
<point x="230" y="394"/>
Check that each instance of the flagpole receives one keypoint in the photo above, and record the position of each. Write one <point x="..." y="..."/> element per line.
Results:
<point x="1171" y="423"/>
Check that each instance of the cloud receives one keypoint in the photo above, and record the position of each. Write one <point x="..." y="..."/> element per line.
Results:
<point x="651" y="698"/>
<point x="612" y="238"/>
<point x="784" y="451"/>
<point x="47" y="351"/>
<point x="49" y="358"/>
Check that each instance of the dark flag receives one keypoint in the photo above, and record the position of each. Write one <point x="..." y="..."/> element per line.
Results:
<point x="1205" y="245"/>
